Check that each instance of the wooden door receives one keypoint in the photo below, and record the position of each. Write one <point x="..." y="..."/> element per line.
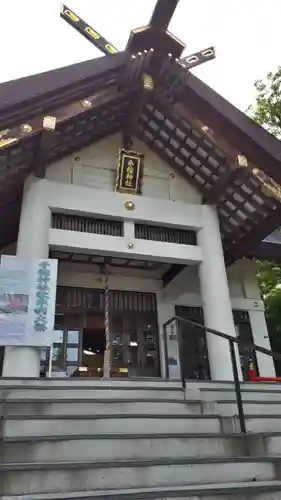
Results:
<point x="193" y="345"/>
<point x="134" y="333"/>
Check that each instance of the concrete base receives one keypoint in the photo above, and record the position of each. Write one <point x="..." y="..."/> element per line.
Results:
<point x="21" y="362"/>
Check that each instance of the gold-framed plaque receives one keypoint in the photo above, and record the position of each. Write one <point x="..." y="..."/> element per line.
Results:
<point x="129" y="172"/>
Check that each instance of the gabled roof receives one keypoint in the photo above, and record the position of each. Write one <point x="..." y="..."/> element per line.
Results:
<point x="174" y="128"/>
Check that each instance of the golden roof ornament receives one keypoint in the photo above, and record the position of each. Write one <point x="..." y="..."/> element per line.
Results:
<point x="49" y="122"/>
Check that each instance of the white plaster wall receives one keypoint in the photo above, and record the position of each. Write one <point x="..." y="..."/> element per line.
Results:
<point x="95" y="166"/>
<point x="243" y="286"/>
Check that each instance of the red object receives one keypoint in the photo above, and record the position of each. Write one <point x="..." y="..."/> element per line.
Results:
<point x="252" y="375"/>
<point x="265" y="379"/>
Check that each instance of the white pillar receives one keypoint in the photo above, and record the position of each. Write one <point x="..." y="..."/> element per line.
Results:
<point x="215" y="296"/>
<point x="33" y="242"/>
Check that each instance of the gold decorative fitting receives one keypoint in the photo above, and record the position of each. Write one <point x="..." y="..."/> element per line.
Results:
<point x="86" y="103"/>
<point x="148" y="83"/>
<point x="49" y="122"/>
<point x="269" y="187"/>
<point x="242" y="161"/>
<point x="5" y="141"/>
<point x="26" y="128"/>
<point x="129" y="205"/>
<point x="130" y="245"/>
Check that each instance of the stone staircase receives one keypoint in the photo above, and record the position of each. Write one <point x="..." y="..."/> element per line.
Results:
<point x="136" y="440"/>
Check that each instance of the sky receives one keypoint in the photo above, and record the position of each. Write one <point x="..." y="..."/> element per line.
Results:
<point x="245" y="33"/>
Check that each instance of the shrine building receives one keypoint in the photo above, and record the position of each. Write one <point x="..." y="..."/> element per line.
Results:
<point x="156" y="196"/>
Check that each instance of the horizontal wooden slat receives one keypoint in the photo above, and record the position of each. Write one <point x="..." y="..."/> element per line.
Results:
<point x="165" y="234"/>
<point x="91" y="225"/>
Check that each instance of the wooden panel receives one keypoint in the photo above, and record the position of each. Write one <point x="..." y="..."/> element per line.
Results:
<point x="165" y="234"/>
<point x="193" y="345"/>
<point x="87" y="224"/>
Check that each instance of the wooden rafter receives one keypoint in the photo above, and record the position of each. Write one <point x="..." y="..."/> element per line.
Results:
<point x="220" y="187"/>
<point x="247" y="243"/>
<point x="247" y="137"/>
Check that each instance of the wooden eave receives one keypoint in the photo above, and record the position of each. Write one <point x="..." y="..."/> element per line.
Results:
<point x="267" y="251"/>
<point x="22" y="99"/>
<point x="246" y="214"/>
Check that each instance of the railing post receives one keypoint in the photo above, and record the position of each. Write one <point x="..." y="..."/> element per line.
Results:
<point x="237" y="388"/>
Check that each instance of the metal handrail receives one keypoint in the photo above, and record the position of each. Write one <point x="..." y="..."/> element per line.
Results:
<point x="232" y="341"/>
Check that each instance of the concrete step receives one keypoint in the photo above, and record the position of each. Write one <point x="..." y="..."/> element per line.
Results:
<point x="83" y="393"/>
<point x="247" y="396"/>
<point x="98" y="406"/>
<point x="213" y="384"/>
<point x="228" y="407"/>
<point x="24" y="479"/>
<point x="257" y="424"/>
<point x="218" y="391"/>
<point x="94" y="383"/>
<point x="54" y="425"/>
<point x="263" y="423"/>
<point x="126" y="447"/>
<point x="262" y="490"/>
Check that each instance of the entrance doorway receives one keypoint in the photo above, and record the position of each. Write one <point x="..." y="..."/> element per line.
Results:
<point x="133" y="333"/>
<point x="193" y="343"/>
<point x="93" y="346"/>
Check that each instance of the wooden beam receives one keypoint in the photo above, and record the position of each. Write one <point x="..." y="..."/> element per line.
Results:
<point x="163" y="13"/>
<point x="138" y="103"/>
<point x="214" y="194"/>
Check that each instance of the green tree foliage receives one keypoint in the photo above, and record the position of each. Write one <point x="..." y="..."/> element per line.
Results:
<point x="267" y="109"/>
<point x="267" y="112"/>
<point x="269" y="276"/>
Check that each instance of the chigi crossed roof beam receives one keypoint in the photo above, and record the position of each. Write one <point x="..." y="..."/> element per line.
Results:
<point x="153" y="37"/>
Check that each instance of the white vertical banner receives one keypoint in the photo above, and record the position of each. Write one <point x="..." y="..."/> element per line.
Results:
<point x="41" y="289"/>
<point x="173" y="357"/>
